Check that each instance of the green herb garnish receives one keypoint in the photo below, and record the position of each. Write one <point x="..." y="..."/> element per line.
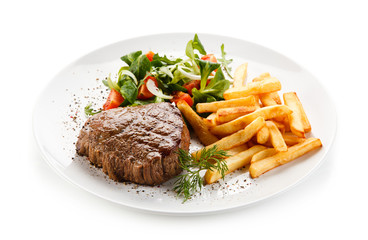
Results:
<point x="191" y="181"/>
<point x="89" y="111"/>
<point x="225" y="62"/>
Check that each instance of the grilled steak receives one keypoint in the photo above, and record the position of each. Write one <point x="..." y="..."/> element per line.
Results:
<point x="136" y="144"/>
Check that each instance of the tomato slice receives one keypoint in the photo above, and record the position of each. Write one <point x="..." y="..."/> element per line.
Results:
<point x="192" y="84"/>
<point x="114" y="100"/>
<point x="143" y="92"/>
<point x="149" y="55"/>
<point x="209" y="57"/>
<point x="182" y="96"/>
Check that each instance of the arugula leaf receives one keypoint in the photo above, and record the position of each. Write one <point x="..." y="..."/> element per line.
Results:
<point x="206" y="68"/>
<point x="110" y="84"/>
<point x="225" y="62"/>
<point x="145" y="102"/>
<point x="88" y="111"/>
<point x="166" y="60"/>
<point x="176" y="87"/>
<point x="129" y="90"/>
<point x="140" y="67"/>
<point x="198" y="45"/>
<point x="189" y="51"/>
<point x="131" y="57"/>
<point x="214" y="91"/>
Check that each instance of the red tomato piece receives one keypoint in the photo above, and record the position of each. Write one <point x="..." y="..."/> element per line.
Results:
<point x="149" y="55"/>
<point x="143" y="92"/>
<point x="182" y="96"/>
<point x="209" y="57"/>
<point x="114" y="100"/>
<point x="192" y="84"/>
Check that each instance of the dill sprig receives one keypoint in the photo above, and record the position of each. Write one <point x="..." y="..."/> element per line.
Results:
<point x="191" y="181"/>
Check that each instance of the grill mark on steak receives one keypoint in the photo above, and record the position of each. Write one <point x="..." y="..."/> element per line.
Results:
<point x="136" y="144"/>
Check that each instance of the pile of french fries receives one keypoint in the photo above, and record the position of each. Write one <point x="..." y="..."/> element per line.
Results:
<point x="253" y="125"/>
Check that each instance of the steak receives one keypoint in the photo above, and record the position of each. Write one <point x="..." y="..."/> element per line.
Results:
<point x="136" y="144"/>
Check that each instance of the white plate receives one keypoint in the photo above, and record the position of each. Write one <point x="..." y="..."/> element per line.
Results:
<point x="58" y="116"/>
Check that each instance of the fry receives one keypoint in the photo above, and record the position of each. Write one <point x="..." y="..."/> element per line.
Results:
<point x="197" y="123"/>
<point x="240" y="75"/>
<point x="290" y="139"/>
<point x="263" y="135"/>
<point x="239" y="123"/>
<point x="304" y="118"/>
<point x="233" y="163"/>
<point x="211" y="116"/>
<point x="295" y="119"/>
<point x="237" y="138"/>
<point x="224" y="115"/>
<point x="264" y="86"/>
<point x="261" y="77"/>
<point x="263" y="154"/>
<point x="238" y="149"/>
<point x="214" y="106"/>
<point x="280" y="126"/>
<point x="259" y="167"/>
<point x="276" y="138"/>
<point x="268" y="99"/>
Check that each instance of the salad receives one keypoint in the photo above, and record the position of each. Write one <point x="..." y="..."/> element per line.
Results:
<point x="152" y="78"/>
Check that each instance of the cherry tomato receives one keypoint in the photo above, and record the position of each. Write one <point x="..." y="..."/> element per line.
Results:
<point x="192" y="84"/>
<point x="114" y="100"/>
<point x="209" y="57"/>
<point x="143" y="92"/>
<point x="182" y="96"/>
<point x="149" y="55"/>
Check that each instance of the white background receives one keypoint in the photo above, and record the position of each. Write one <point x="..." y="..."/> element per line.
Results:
<point x="39" y="38"/>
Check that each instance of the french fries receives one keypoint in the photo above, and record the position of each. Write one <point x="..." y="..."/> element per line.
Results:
<point x="240" y="75"/>
<point x="237" y="138"/>
<point x="259" y="167"/>
<point x="298" y="120"/>
<point x="224" y="115"/>
<point x="252" y="125"/>
<point x="233" y="163"/>
<point x="214" y="106"/>
<point x="239" y="123"/>
<point x="263" y="135"/>
<point x="263" y="154"/>
<point x="252" y="88"/>
<point x="238" y="149"/>
<point x="197" y="123"/>
<point x="276" y="138"/>
<point x="261" y="77"/>
<point x="290" y="139"/>
<point x="268" y="99"/>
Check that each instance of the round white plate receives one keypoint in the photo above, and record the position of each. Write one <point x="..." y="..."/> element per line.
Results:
<point x="58" y="116"/>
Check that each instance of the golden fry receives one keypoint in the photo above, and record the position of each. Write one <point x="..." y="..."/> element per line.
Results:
<point x="259" y="167"/>
<point x="236" y="139"/>
<point x="233" y="163"/>
<point x="214" y="106"/>
<point x="224" y="115"/>
<point x="240" y="75"/>
<point x="263" y="154"/>
<point x="236" y="150"/>
<point x="290" y="139"/>
<point x="276" y="138"/>
<point x="261" y="77"/>
<point x="295" y="119"/>
<point x="197" y="123"/>
<point x="252" y="88"/>
<point x="263" y="135"/>
<point x="239" y="123"/>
